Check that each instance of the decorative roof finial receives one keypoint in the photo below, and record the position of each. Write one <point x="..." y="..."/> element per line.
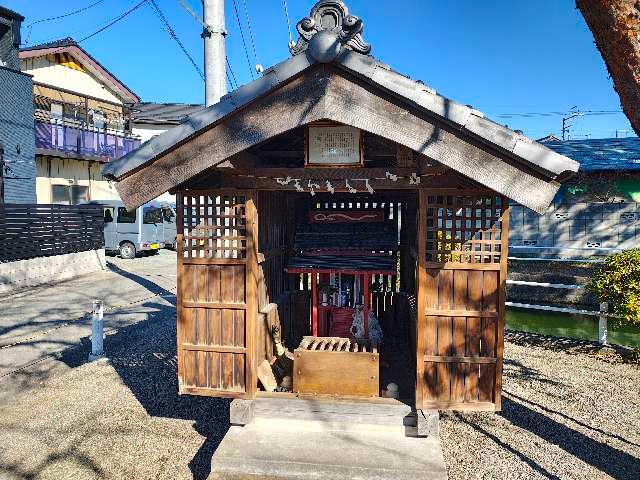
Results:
<point x="327" y="29"/>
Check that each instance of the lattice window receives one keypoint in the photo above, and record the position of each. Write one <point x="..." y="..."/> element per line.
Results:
<point x="464" y="228"/>
<point x="214" y="226"/>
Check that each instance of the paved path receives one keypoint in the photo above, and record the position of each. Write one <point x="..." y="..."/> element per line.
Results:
<point x="38" y="322"/>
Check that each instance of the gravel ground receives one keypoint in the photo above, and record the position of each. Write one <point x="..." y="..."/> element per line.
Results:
<point x="115" y="419"/>
<point x="569" y="411"/>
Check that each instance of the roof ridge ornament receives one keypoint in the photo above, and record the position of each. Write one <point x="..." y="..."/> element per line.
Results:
<point x="327" y="29"/>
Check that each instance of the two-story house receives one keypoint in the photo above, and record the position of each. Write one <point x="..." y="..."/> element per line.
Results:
<point x="82" y="120"/>
<point x="17" y="167"/>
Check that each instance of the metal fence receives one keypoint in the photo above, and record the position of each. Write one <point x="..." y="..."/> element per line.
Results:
<point x="31" y="231"/>
<point x="53" y="136"/>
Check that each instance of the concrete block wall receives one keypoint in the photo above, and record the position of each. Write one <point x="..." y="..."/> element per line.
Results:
<point x="17" y="136"/>
<point x="582" y="227"/>
<point x="44" y="270"/>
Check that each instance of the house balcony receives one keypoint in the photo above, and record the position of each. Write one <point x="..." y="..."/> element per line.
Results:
<point x="82" y="143"/>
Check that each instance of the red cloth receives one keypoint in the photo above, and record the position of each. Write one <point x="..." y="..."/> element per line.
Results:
<point x="341" y="320"/>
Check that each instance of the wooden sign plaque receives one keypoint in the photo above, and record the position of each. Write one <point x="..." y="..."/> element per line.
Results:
<point x="334" y="146"/>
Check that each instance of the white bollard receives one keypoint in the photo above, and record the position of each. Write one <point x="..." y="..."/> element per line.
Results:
<point x="97" y="331"/>
<point x="602" y="323"/>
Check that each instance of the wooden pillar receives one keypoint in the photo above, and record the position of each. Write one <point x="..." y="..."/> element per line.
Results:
<point x="502" y="298"/>
<point x="421" y="295"/>
<point x="251" y="367"/>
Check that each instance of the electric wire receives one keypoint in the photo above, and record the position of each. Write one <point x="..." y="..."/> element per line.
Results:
<point x="551" y="114"/>
<point x="253" y="43"/>
<point x="64" y="15"/>
<point x="173" y="35"/>
<point x="286" y="14"/>
<point x="233" y="75"/>
<point x="244" y="43"/>
<point x="190" y="11"/>
<point x="109" y="24"/>
<point x="114" y="21"/>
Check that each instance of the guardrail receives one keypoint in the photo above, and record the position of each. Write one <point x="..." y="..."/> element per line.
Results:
<point x="546" y="285"/>
<point x="602" y="314"/>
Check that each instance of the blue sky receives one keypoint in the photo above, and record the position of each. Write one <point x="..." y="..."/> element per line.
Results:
<point x="501" y="56"/>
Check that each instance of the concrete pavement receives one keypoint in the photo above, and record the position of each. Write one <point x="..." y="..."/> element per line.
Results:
<point x="40" y="322"/>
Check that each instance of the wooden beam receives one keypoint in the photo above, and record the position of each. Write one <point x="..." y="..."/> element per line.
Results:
<point x="266" y="180"/>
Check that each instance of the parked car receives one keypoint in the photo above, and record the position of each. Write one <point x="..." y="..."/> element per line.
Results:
<point x="132" y="232"/>
<point x="169" y="230"/>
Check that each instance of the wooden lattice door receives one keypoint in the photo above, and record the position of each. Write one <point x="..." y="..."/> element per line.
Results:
<point x="463" y="248"/>
<point x="216" y="293"/>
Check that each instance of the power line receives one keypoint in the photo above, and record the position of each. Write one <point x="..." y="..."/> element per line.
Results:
<point x="114" y="21"/>
<point x="233" y="75"/>
<point x="253" y="43"/>
<point x="244" y="43"/>
<point x="552" y="114"/>
<point x="64" y="15"/>
<point x="190" y="11"/>
<point x="173" y="35"/>
<point x="286" y="14"/>
<point x="109" y="24"/>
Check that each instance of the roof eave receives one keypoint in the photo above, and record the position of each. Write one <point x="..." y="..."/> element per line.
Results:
<point x="518" y="146"/>
<point x="208" y="117"/>
<point x="128" y="95"/>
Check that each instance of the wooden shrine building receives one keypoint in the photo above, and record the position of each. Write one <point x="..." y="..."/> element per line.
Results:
<point x="341" y="227"/>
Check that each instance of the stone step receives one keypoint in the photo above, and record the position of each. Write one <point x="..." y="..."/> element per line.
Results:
<point x="259" y="451"/>
<point x="330" y="414"/>
<point x="388" y="411"/>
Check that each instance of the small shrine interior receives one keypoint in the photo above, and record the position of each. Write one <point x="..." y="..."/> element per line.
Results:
<point x="337" y="258"/>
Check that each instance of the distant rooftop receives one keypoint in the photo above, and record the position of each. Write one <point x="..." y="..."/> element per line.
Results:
<point x="69" y="45"/>
<point x="163" y="113"/>
<point x="601" y="153"/>
<point x="60" y="43"/>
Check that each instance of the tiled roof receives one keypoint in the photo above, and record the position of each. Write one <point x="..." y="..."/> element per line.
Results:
<point x="602" y="153"/>
<point x="339" y="44"/>
<point x="163" y="113"/>
<point x="371" y="71"/>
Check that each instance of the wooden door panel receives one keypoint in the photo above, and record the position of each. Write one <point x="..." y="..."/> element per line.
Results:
<point x="215" y="307"/>
<point x="460" y="301"/>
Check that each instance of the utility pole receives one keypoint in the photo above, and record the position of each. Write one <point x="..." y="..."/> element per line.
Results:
<point x="215" y="57"/>
<point x="565" y="120"/>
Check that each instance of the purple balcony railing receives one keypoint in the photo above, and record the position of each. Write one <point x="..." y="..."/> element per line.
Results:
<point x="83" y="142"/>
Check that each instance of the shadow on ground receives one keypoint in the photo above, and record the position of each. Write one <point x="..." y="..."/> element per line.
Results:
<point x="144" y="356"/>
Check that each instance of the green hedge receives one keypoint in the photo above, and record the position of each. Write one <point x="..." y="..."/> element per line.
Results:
<point x="617" y="281"/>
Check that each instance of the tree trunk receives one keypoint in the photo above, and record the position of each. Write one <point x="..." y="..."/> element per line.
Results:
<point x="615" y="25"/>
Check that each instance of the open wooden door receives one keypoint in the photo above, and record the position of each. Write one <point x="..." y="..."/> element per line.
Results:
<point x="216" y="293"/>
<point x="462" y="240"/>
